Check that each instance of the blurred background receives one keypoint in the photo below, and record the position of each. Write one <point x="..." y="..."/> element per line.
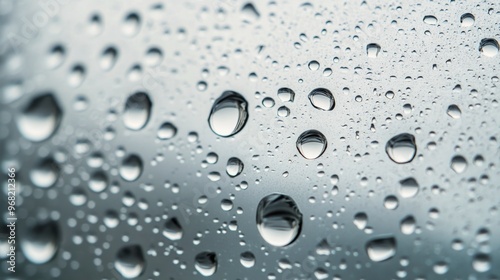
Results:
<point x="250" y="139"/>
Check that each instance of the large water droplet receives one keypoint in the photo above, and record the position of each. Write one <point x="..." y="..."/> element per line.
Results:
<point x="381" y="249"/>
<point x="172" y="229"/>
<point x="322" y="99"/>
<point x="401" y="148"/>
<point x="131" y="168"/>
<point x="41" y="242"/>
<point x="130" y="261"/>
<point x="40" y="119"/>
<point x="234" y="167"/>
<point x="137" y="111"/>
<point x="489" y="47"/>
<point x="229" y="114"/>
<point x="206" y="263"/>
<point x="45" y="174"/>
<point x="279" y="220"/>
<point x="311" y="144"/>
<point x="458" y="164"/>
<point x="409" y="187"/>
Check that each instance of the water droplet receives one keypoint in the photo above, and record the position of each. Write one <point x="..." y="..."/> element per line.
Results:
<point x="313" y="65"/>
<point x="249" y="12"/>
<point x="166" y="131"/>
<point x="432" y="20"/>
<point x="108" y="58"/>
<point x="283" y="111"/>
<point x="391" y="202"/>
<point x="78" y="197"/>
<point x="41" y="242"/>
<point x="11" y="92"/>
<point x="45" y="174"/>
<point x="247" y="259"/>
<point x="172" y="229"/>
<point x="408" y="225"/>
<point x="234" y="167"/>
<point x="76" y="76"/>
<point x="286" y="95"/>
<point x="401" y="148"/>
<point x="154" y="57"/>
<point x="206" y="263"/>
<point x="311" y="144"/>
<point x="56" y="57"/>
<point x="489" y="47"/>
<point x="467" y="20"/>
<point x="131" y="168"/>
<point x="111" y="219"/>
<point x="40" y="119"/>
<point x="409" y="187"/>
<point x="137" y="111"/>
<point x="268" y="102"/>
<point x="229" y="114"/>
<point x="481" y="262"/>
<point x="458" y="164"/>
<point x="440" y="267"/>
<point x="131" y="24"/>
<point x="98" y="181"/>
<point x="279" y="220"/>
<point x="130" y="261"/>
<point x="454" y="111"/>
<point x="372" y="50"/>
<point x="95" y="25"/>
<point x="322" y="99"/>
<point x="381" y="249"/>
<point x="360" y="220"/>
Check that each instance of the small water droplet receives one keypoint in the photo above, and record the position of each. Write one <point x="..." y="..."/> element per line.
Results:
<point x="108" y="58"/>
<point x="229" y="114"/>
<point x="130" y="261"/>
<point x="381" y="249"/>
<point x="283" y="111"/>
<point x="166" y="131"/>
<point x="40" y="119"/>
<point x="311" y="144"/>
<point x="56" y="56"/>
<point x="401" y="148"/>
<point x="279" y="220"/>
<point x="249" y="12"/>
<point x="131" y="24"/>
<point x="76" y="76"/>
<point x="489" y="47"/>
<point x="322" y="99"/>
<point x="234" y="167"/>
<point x="391" y="202"/>
<point x="372" y="50"/>
<point x="45" y="174"/>
<point x="41" y="242"/>
<point x="408" y="225"/>
<point x="360" y="220"/>
<point x="137" y="111"/>
<point x="409" y="187"/>
<point x="206" y="263"/>
<point x="458" y="164"/>
<point x="313" y="65"/>
<point x="98" y="181"/>
<point x="172" y="229"/>
<point x="481" y="262"/>
<point x="154" y="56"/>
<point x="131" y="168"/>
<point x="247" y="259"/>
<point x="286" y="94"/>
<point x="440" y="268"/>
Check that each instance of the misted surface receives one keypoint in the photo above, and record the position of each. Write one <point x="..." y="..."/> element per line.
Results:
<point x="251" y="140"/>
